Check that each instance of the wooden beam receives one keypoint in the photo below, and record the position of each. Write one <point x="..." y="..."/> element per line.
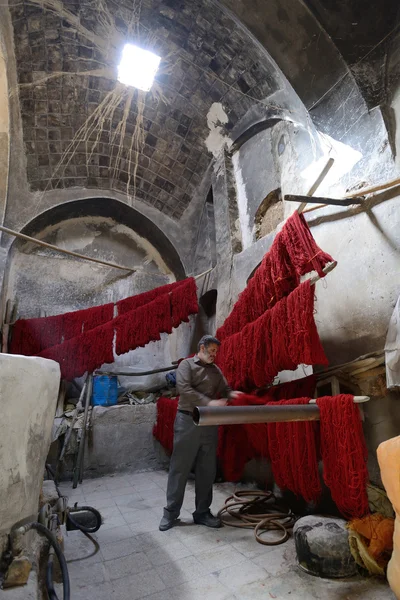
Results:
<point x="324" y="201"/>
<point x="317" y="183"/>
<point x="28" y="238"/>
<point x="375" y="188"/>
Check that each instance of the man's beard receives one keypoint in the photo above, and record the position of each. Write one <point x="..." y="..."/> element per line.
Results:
<point x="209" y="359"/>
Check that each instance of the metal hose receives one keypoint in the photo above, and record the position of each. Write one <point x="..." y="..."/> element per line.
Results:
<point x="253" y="509"/>
<point x="61" y="559"/>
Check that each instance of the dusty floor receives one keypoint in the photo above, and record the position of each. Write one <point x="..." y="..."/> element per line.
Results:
<point x="188" y="562"/>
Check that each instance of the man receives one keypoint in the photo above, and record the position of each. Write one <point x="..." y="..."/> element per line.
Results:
<point x="200" y="383"/>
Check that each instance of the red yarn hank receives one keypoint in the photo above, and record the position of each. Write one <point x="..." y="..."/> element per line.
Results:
<point x="234" y="451"/>
<point x="304" y="345"/>
<point x="77" y="322"/>
<point x="293" y="453"/>
<point x="240" y="443"/>
<point x="281" y="339"/>
<point x="145" y="324"/>
<point x="344" y="454"/>
<point x="32" y="336"/>
<point x="304" y="253"/>
<point x="294" y="252"/>
<point x="134" y="302"/>
<point x="163" y="429"/>
<point x="184" y="301"/>
<point x="83" y="353"/>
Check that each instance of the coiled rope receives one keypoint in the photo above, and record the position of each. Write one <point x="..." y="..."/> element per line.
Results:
<point x="253" y="509"/>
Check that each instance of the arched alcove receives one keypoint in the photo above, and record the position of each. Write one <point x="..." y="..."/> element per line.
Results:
<point x="269" y="214"/>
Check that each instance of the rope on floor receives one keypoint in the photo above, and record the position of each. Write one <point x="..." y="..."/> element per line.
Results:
<point x="253" y="509"/>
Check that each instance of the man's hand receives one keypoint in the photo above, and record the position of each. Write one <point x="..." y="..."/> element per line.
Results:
<point x="222" y="402"/>
<point x="235" y="394"/>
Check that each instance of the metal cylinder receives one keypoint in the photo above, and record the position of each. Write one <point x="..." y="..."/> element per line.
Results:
<point x="236" y="415"/>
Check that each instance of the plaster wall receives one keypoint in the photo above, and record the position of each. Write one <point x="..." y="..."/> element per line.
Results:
<point x="121" y="439"/>
<point x="28" y="397"/>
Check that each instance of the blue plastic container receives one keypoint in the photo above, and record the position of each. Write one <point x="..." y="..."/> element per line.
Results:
<point x="105" y="390"/>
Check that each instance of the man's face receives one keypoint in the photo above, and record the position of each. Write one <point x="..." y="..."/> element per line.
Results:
<point x="208" y="354"/>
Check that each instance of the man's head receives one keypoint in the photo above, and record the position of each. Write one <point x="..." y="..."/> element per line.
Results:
<point x="207" y="348"/>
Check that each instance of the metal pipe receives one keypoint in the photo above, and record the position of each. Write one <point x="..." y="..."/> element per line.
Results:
<point x="138" y="373"/>
<point x="236" y="415"/>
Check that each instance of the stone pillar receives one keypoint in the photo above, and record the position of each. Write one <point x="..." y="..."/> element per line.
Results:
<point x="227" y="236"/>
<point x="28" y="397"/>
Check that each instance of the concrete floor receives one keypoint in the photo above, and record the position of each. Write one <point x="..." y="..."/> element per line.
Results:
<point x="189" y="562"/>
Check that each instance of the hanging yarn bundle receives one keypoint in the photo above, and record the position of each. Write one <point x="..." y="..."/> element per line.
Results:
<point x="163" y="429"/>
<point x="344" y="454"/>
<point x="75" y="323"/>
<point x="133" y="302"/>
<point x="32" y="336"/>
<point x="94" y="347"/>
<point x="304" y="253"/>
<point x="293" y="453"/>
<point x="293" y="253"/>
<point x="184" y="301"/>
<point x="142" y="325"/>
<point x="85" y="352"/>
<point x="281" y="339"/>
<point x="241" y="443"/>
<point x="145" y="324"/>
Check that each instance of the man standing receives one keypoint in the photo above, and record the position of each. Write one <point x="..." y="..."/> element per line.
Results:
<point x="199" y="382"/>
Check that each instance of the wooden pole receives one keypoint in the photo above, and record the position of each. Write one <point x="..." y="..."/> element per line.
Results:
<point x="317" y="183"/>
<point x="28" y="238"/>
<point x="326" y="270"/>
<point x="324" y="201"/>
<point x="375" y="188"/>
<point x="6" y="327"/>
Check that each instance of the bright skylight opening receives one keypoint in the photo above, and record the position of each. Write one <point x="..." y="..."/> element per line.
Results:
<point x="138" y="67"/>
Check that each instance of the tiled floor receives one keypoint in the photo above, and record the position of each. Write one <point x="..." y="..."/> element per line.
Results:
<point x="189" y="562"/>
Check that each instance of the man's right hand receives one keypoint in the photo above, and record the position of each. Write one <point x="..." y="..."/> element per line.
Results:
<point x="222" y="402"/>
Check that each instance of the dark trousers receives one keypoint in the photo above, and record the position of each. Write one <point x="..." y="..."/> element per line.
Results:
<point x="196" y="446"/>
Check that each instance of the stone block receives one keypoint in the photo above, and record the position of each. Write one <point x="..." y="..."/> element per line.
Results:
<point x="18" y="572"/>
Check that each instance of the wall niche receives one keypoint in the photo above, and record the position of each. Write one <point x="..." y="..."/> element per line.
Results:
<point x="269" y="214"/>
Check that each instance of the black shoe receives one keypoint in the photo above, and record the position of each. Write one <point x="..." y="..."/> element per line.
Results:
<point x="167" y="523"/>
<point x="208" y="520"/>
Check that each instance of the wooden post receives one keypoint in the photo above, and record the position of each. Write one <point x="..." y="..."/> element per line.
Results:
<point x="317" y="183"/>
<point x="6" y="326"/>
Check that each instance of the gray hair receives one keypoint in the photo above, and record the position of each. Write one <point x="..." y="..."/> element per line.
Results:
<point x="206" y="340"/>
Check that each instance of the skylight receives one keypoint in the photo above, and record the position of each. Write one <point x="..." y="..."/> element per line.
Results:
<point x="138" y="67"/>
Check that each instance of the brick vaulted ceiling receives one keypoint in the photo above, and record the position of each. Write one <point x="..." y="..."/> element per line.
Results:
<point x="73" y="109"/>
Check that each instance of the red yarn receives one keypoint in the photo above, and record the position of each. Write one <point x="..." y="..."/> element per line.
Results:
<point x="85" y="352"/>
<point x="142" y="325"/>
<point x="304" y="253"/>
<point x="293" y="253"/>
<point x="163" y="429"/>
<point x="75" y="323"/>
<point x="32" y="336"/>
<point x="293" y="454"/>
<point x="344" y="454"/>
<point x="281" y="339"/>
<point x="304" y="345"/>
<point x="133" y="302"/>
<point x="240" y="443"/>
<point x="184" y="301"/>
<point x="234" y="451"/>
<point x="94" y="347"/>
